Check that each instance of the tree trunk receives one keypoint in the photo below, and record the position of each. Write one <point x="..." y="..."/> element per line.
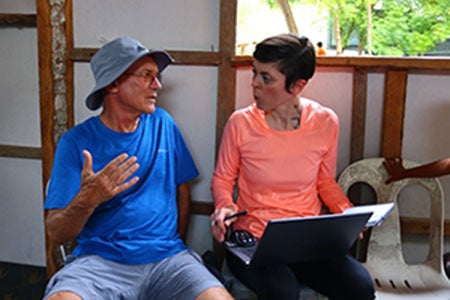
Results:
<point x="337" y="33"/>
<point x="369" y="27"/>
<point x="288" y="16"/>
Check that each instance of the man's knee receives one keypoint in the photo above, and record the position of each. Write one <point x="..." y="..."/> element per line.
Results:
<point x="64" y="296"/>
<point x="216" y="293"/>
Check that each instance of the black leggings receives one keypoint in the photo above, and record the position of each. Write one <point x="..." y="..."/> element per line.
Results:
<point x="339" y="278"/>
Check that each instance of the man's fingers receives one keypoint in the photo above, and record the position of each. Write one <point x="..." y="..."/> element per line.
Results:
<point x="124" y="174"/>
<point x="124" y="170"/>
<point x="116" y="162"/>
<point x="116" y="167"/>
<point x="87" y="165"/>
<point x="127" y="184"/>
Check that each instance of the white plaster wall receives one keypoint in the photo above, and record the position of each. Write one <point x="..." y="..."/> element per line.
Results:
<point x="169" y="24"/>
<point x="18" y="6"/>
<point x="21" y="216"/>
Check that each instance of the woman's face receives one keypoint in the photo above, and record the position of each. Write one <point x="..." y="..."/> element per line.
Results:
<point x="268" y="86"/>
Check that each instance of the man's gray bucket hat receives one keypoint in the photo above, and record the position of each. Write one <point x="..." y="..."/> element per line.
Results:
<point x="113" y="59"/>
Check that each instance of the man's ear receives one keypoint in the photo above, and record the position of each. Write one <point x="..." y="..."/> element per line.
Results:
<point x="111" y="88"/>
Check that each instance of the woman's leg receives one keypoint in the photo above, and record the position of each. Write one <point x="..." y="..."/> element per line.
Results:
<point x="340" y="278"/>
<point x="271" y="282"/>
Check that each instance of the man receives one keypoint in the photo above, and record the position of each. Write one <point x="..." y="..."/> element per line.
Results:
<point x="116" y="186"/>
<point x="320" y="50"/>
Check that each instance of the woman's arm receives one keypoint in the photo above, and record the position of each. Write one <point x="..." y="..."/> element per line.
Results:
<point x="329" y="190"/>
<point x="224" y="181"/>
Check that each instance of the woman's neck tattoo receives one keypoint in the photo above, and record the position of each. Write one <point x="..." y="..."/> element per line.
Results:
<point x="295" y="120"/>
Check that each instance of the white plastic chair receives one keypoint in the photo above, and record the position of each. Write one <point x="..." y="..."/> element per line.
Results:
<point x="392" y="275"/>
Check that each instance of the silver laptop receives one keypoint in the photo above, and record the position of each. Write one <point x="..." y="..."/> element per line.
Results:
<point x="297" y="240"/>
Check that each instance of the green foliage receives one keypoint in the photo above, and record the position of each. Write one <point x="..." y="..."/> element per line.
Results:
<point x="353" y="20"/>
<point x="400" y="27"/>
<point x="272" y="3"/>
<point x="410" y="27"/>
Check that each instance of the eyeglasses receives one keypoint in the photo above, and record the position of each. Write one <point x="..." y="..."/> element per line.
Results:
<point x="148" y="78"/>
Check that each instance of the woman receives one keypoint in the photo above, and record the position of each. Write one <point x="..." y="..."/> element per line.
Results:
<point x="282" y="151"/>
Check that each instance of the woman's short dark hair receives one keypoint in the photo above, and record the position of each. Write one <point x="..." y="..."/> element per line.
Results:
<point x="294" y="55"/>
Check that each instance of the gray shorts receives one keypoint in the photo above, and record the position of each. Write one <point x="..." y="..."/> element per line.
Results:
<point x="182" y="276"/>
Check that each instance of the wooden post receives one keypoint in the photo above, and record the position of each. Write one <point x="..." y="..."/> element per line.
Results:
<point x="393" y="112"/>
<point x="358" y="114"/>
<point x="226" y="85"/>
<point x="55" y="39"/>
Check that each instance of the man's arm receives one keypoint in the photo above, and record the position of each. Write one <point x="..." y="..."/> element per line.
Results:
<point x="65" y="224"/>
<point x="184" y="209"/>
<point x="394" y="167"/>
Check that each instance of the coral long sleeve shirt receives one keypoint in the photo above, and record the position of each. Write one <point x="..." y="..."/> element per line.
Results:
<point x="280" y="174"/>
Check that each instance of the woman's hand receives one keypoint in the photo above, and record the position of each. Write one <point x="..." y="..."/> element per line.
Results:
<point x="361" y="234"/>
<point x="218" y="225"/>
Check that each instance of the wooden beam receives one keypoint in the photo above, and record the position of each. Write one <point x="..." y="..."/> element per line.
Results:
<point x="197" y="58"/>
<point x="46" y="95"/>
<point x="431" y="63"/>
<point x="20" y="152"/>
<point x="226" y="86"/>
<point x="393" y="112"/>
<point x="69" y="64"/>
<point x="374" y="62"/>
<point x="17" y="20"/>
<point x="54" y="33"/>
<point x="202" y="208"/>
<point x="358" y="114"/>
<point x="181" y="57"/>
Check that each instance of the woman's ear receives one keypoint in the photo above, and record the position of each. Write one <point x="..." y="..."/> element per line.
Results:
<point x="298" y="86"/>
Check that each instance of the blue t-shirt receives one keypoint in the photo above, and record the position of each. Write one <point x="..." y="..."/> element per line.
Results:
<point x="138" y="225"/>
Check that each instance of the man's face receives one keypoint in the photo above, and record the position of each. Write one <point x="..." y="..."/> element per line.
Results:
<point x="138" y="87"/>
